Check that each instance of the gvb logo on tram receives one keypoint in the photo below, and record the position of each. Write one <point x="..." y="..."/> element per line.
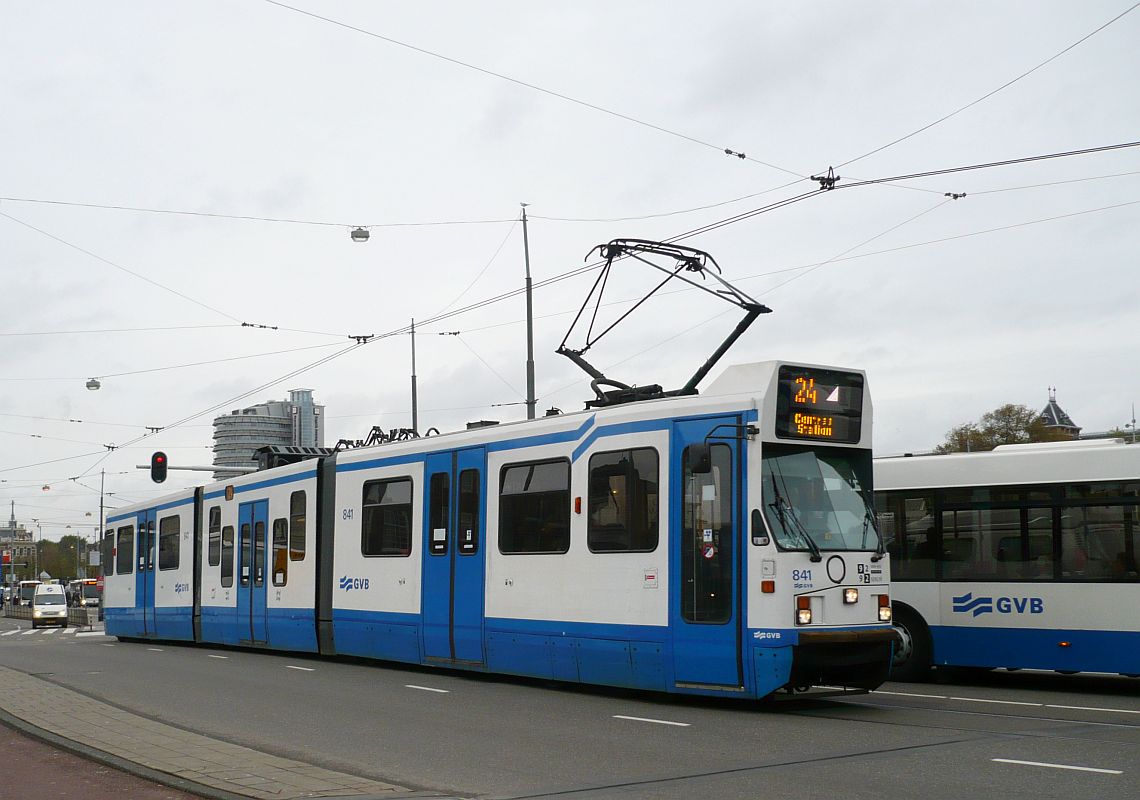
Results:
<point x="348" y="584"/>
<point x="967" y="604"/>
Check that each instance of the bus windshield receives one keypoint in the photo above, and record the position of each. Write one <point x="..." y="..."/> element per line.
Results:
<point x="819" y="500"/>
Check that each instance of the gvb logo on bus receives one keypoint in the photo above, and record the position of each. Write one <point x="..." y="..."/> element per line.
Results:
<point x="348" y="584"/>
<point x="967" y="603"/>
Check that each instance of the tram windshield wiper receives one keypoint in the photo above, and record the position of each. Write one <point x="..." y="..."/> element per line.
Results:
<point x="785" y="511"/>
<point x="869" y="523"/>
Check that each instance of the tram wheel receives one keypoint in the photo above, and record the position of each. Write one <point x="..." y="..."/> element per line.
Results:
<point x="913" y="650"/>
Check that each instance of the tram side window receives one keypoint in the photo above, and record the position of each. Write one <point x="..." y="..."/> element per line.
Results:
<point x="228" y="556"/>
<point x="468" y="533"/>
<point x="297" y="526"/>
<point x="623" y="501"/>
<point x="258" y="553"/>
<point x="244" y="554"/>
<point x="168" y="543"/>
<point x="534" y="507"/>
<point x="907" y="524"/>
<point x="387" y="524"/>
<point x="280" y="551"/>
<point x="106" y="553"/>
<point x="125" y="551"/>
<point x="439" y="512"/>
<point x="1100" y="543"/>
<point x="707" y="555"/>
<point x="214" y="551"/>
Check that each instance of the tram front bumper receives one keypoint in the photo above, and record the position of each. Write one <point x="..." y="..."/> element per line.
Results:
<point x="854" y="658"/>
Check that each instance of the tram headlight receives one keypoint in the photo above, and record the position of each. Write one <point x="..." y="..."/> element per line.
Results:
<point x="803" y="611"/>
<point x="885" y="608"/>
<point x="850" y="596"/>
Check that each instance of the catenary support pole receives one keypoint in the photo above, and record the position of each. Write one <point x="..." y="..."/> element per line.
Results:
<point x="530" y="401"/>
<point x="415" y="402"/>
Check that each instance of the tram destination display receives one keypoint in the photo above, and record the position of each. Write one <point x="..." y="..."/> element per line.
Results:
<point x="819" y="404"/>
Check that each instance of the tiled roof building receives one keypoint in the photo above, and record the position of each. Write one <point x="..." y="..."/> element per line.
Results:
<point x="1056" y="419"/>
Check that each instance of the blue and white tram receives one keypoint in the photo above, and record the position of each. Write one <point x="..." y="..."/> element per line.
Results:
<point x="716" y="544"/>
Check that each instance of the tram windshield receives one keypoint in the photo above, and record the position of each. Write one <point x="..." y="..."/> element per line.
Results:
<point x="816" y="499"/>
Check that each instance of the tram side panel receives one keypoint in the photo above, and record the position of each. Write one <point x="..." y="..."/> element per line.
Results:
<point x="562" y="603"/>
<point x="118" y="576"/>
<point x="291" y="564"/>
<point x="377" y="558"/>
<point x="172" y="596"/>
<point x="258" y="557"/>
<point x="218" y="597"/>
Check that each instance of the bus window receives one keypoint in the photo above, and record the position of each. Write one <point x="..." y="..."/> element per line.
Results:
<point x="1099" y="543"/>
<point x="907" y="525"/>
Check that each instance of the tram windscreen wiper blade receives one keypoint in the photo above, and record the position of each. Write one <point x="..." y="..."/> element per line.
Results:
<point x="783" y="505"/>
<point x="869" y="522"/>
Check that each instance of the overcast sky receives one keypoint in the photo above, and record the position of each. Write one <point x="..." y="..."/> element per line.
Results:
<point x="253" y="109"/>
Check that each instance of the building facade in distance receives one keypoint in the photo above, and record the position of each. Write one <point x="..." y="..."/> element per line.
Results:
<point x="297" y="421"/>
<point x="16" y="542"/>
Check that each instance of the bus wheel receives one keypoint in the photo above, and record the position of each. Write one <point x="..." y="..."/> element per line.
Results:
<point x="912" y="656"/>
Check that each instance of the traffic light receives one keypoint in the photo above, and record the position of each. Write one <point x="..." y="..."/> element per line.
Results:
<point x="158" y="467"/>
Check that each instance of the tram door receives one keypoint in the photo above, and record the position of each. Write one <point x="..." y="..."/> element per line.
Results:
<point x="705" y="529"/>
<point x="454" y="555"/>
<point x="252" y="532"/>
<point x="144" y="574"/>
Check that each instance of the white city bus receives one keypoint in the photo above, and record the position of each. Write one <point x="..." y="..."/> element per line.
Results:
<point x="1023" y="558"/>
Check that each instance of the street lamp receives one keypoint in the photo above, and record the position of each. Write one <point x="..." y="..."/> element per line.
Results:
<point x="1132" y="424"/>
<point x="93" y="384"/>
<point x="358" y="235"/>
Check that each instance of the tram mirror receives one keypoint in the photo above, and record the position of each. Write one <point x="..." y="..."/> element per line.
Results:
<point x="700" y="458"/>
<point x="759" y="532"/>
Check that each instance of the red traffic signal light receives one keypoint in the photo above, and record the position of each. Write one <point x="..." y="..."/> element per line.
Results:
<point x="158" y="467"/>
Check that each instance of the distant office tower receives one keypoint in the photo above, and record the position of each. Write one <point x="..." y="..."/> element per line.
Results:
<point x="237" y="435"/>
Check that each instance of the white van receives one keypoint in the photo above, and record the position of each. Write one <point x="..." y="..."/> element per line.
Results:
<point x="49" y="606"/>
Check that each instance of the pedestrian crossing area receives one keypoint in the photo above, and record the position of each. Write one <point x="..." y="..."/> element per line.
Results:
<point x="68" y="631"/>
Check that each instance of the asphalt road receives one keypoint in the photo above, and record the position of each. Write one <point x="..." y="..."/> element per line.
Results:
<point x="1009" y="735"/>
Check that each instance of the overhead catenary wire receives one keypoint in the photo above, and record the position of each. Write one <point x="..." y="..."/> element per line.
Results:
<point x="991" y="93"/>
<point x="580" y="270"/>
<point x="535" y="87"/>
<point x="118" y="330"/>
<point x="120" y="267"/>
<point x="252" y="217"/>
<point x="185" y="366"/>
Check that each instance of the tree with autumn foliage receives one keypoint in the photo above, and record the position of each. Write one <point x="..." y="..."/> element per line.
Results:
<point x="1008" y="424"/>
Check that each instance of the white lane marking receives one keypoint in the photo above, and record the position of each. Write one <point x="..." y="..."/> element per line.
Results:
<point x="998" y="702"/>
<point x="303" y="669"/>
<point x="50" y="630"/>
<point x="655" y="721"/>
<point x="1092" y="708"/>
<point x="71" y="630"/>
<point x="90" y="633"/>
<point x="155" y="649"/>
<point x="426" y="688"/>
<point x="9" y="633"/>
<point x="911" y="694"/>
<point x="213" y="656"/>
<point x="1057" y="766"/>
<point x="106" y="645"/>
<point x="30" y="630"/>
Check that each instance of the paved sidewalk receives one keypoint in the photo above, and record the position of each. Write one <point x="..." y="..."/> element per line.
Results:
<point x="161" y="752"/>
